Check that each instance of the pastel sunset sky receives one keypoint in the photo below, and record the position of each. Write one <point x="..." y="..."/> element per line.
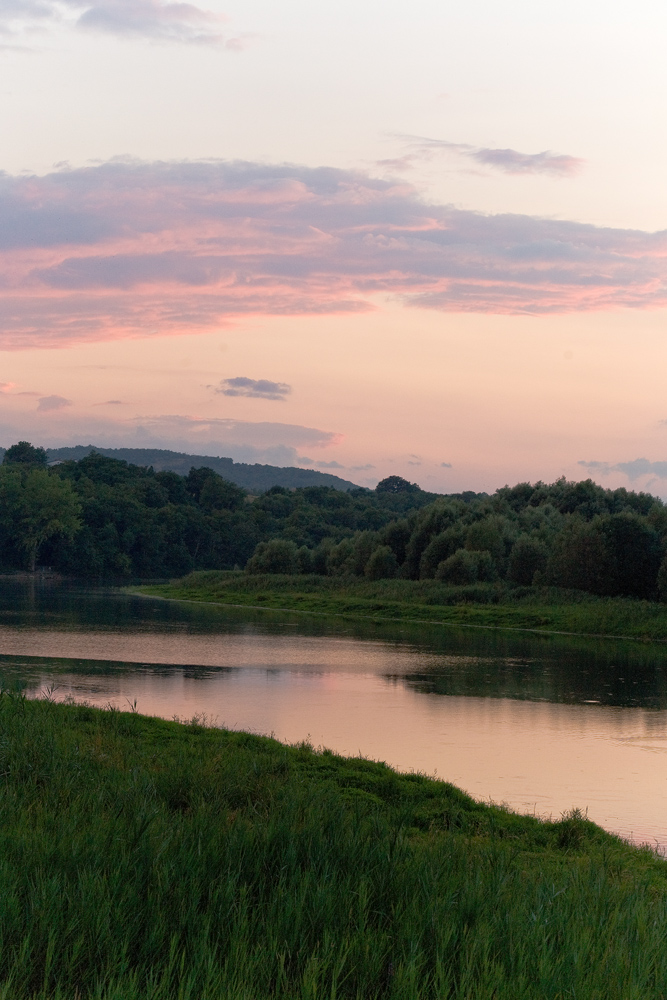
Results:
<point x="426" y="239"/>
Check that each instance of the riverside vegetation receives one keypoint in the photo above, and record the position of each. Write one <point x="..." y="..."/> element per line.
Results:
<point x="541" y="609"/>
<point x="149" y="860"/>
<point x="105" y="519"/>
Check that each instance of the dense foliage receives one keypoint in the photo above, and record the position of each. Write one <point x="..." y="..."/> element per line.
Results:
<point x="120" y="520"/>
<point x="146" y="860"/>
<point x="101" y="517"/>
<point x="570" y="535"/>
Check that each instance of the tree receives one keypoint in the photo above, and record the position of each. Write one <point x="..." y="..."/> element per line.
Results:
<point x="528" y="557"/>
<point x="396" y="535"/>
<point x="634" y="552"/>
<point x="382" y="564"/>
<point x="24" y="453"/>
<point x="38" y="506"/>
<point x="486" y="536"/>
<point x="466" y="567"/>
<point x="396" y="484"/>
<point x="579" y="558"/>
<point x="441" y="547"/>
<point x="213" y="492"/>
<point x="662" y="580"/>
<point x="276" y="556"/>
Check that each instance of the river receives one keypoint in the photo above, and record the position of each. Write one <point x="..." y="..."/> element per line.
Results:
<point x="542" y="723"/>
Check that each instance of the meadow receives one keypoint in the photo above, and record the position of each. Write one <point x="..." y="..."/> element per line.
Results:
<point x="150" y="860"/>
<point x="497" y="605"/>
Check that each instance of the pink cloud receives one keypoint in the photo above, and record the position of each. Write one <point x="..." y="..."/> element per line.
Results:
<point x="137" y="249"/>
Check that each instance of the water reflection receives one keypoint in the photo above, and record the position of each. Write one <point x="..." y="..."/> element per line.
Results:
<point x="544" y="723"/>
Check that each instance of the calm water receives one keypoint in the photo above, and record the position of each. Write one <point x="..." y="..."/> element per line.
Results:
<point x="541" y="723"/>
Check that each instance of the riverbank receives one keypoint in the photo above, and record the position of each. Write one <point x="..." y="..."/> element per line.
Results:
<point x="144" y="858"/>
<point x="481" y="606"/>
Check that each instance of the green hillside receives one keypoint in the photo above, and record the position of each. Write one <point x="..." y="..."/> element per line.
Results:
<point x="255" y="478"/>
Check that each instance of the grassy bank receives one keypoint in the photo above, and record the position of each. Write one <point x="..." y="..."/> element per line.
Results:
<point x="147" y="859"/>
<point x="483" y="605"/>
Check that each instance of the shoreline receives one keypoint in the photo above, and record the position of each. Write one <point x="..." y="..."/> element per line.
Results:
<point x="142" y="854"/>
<point x="590" y="617"/>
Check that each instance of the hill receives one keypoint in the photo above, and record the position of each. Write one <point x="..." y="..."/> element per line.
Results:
<point x="255" y="478"/>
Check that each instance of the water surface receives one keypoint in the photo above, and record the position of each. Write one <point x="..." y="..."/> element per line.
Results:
<point x="543" y="723"/>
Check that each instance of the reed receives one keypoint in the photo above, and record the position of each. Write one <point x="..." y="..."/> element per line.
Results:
<point x="482" y="605"/>
<point x="148" y="860"/>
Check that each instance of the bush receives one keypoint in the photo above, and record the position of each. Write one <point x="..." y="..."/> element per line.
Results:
<point x="276" y="556"/>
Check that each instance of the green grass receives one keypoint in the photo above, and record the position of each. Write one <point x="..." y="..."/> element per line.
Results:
<point x="144" y="860"/>
<point x="483" y="605"/>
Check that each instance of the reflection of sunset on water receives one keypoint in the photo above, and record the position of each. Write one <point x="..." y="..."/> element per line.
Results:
<point x="534" y="756"/>
<point x="543" y="723"/>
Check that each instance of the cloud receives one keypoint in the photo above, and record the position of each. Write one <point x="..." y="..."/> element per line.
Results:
<point x="445" y="465"/>
<point x="635" y="469"/>
<point x="151" y="19"/>
<point x="509" y="161"/>
<point x="361" y="468"/>
<point x="53" y="402"/>
<point x="245" y="441"/>
<point x="261" y="435"/>
<point x="257" y="388"/>
<point x="304" y="460"/>
<point x="513" y="162"/>
<point x="129" y="249"/>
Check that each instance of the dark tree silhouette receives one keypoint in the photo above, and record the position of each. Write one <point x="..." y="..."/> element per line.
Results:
<point x="396" y="484"/>
<point x="24" y="453"/>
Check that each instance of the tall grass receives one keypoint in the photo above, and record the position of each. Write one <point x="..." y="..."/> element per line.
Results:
<point x="146" y="859"/>
<point x="498" y="605"/>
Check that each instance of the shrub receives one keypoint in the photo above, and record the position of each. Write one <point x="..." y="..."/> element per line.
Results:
<point x="276" y="556"/>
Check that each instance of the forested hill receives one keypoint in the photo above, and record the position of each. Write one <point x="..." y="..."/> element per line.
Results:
<point x="102" y="517"/>
<point x="254" y="478"/>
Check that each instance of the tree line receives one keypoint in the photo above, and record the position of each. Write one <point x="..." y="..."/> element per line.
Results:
<point x="569" y="535"/>
<point x="103" y="518"/>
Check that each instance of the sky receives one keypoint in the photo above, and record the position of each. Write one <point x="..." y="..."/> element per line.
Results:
<point x="419" y="239"/>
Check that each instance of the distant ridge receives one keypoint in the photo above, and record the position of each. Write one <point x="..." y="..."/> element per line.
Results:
<point x="256" y="478"/>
